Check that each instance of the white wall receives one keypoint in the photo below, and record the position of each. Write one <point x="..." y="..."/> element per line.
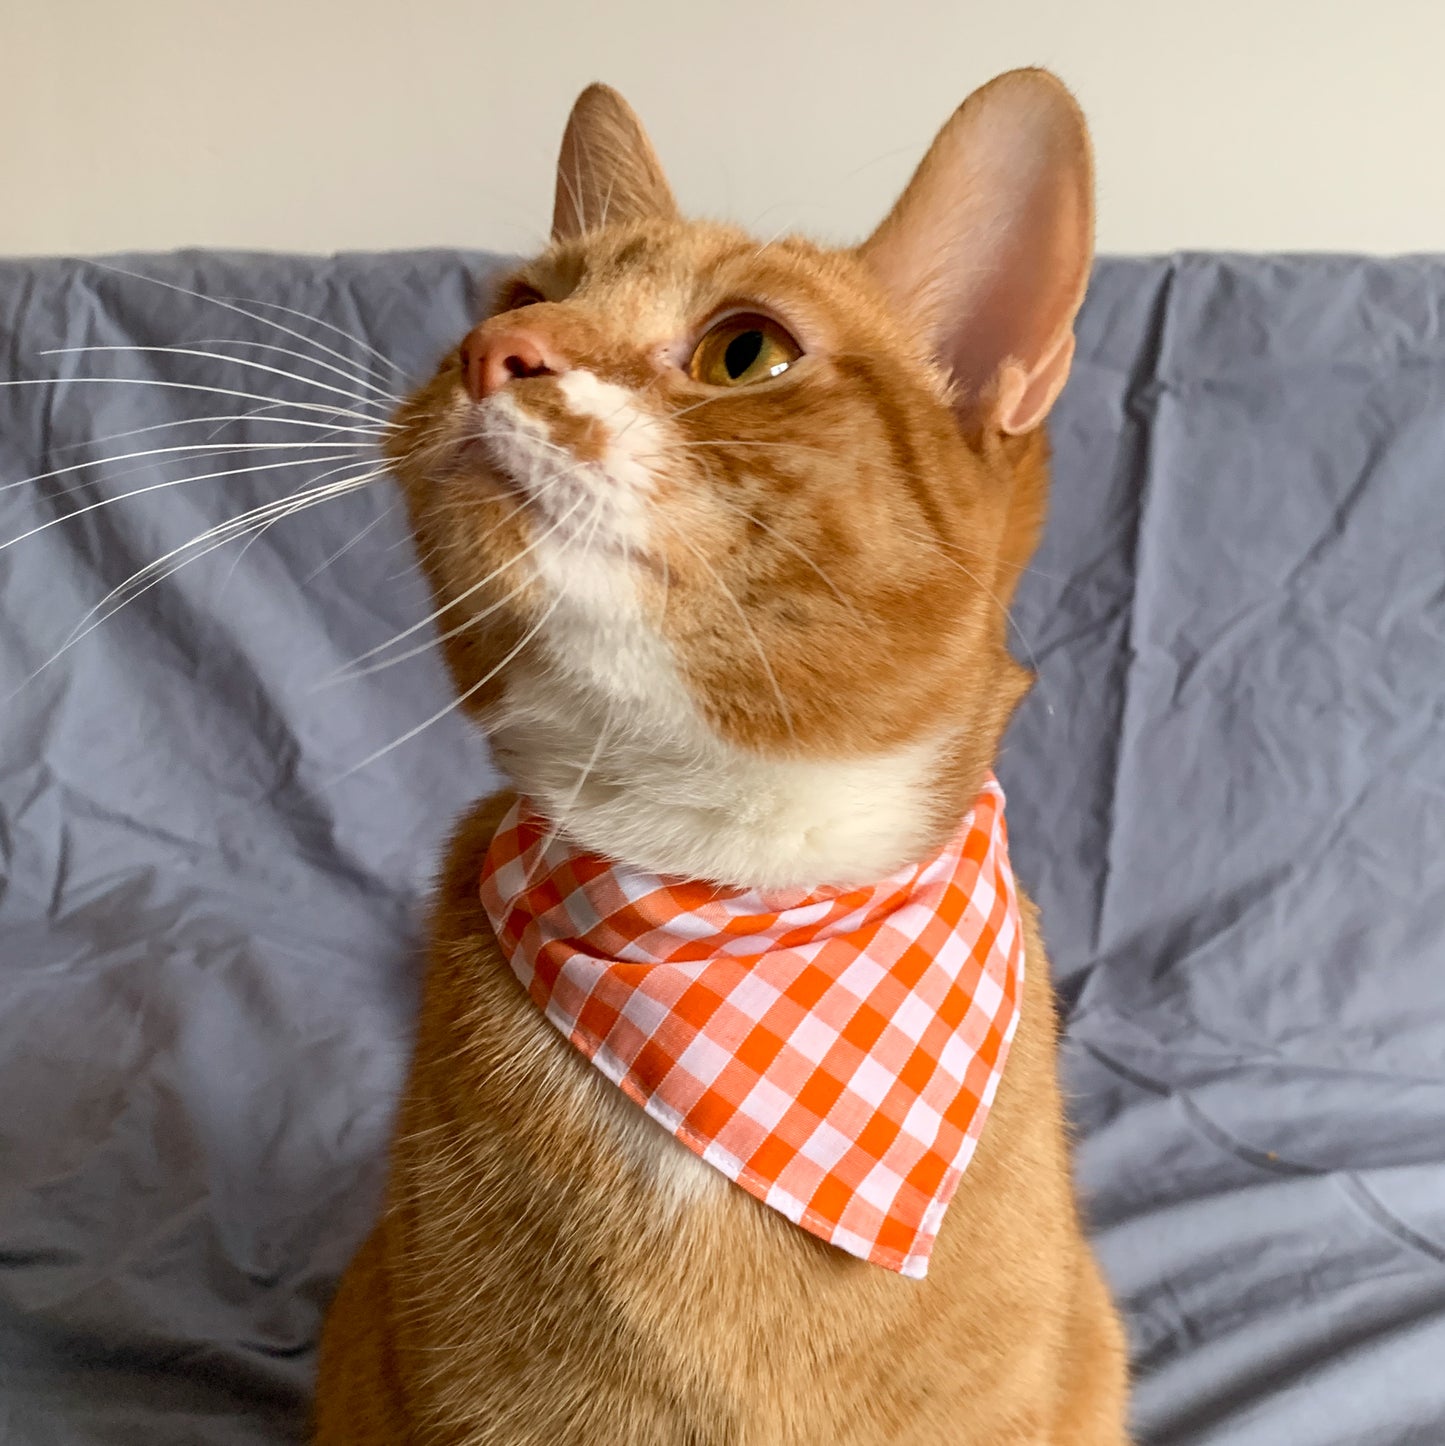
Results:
<point x="327" y="124"/>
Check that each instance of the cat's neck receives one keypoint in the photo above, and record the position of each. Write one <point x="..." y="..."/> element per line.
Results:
<point x="692" y="807"/>
<point x="600" y="732"/>
<point x="752" y="823"/>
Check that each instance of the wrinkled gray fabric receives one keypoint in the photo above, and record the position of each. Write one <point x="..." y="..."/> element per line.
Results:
<point x="1227" y="794"/>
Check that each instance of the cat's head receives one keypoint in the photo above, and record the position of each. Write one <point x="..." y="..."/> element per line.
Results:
<point x="725" y="531"/>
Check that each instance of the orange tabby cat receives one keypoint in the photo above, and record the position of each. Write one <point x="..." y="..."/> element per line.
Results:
<point x="743" y="621"/>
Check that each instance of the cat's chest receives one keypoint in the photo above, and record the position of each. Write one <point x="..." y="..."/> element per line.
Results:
<point x="546" y="1079"/>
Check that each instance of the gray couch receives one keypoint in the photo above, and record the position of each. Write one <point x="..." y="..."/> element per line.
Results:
<point x="1227" y="792"/>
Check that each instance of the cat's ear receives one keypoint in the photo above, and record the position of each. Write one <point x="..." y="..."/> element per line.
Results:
<point x="607" y="171"/>
<point x="989" y="247"/>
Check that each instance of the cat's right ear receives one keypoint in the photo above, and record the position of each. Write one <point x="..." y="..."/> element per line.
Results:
<point x="607" y="171"/>
<point x="988" y="250"/>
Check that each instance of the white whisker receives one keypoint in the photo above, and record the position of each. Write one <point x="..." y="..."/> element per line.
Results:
<point x="326" y="407"/>
<point x="457" y="601"/>
<point x="461" y="697"/>
<point x="360" y="379"/>
<point x="706" y="402"/>
<point x="346" y="547"/>
<point x="796" y="550"/>
<point x="757" y="645"/>
<point x="290" y="511"/>
<point x="350" y="671"/>
<point x="223" y="532"/>
<point x="603" y="733"/>
<point x="158" y="486"/>
<point x="586" y="154"/>
<point x="576" y="200"/>
<point x="221" y="418"/>
<point x="757" y="521"/>
<point x="786" y="226"/>
<point x="939" y="545"/>
<point x="741" y="442"/>
<point x="385" y="360"/>
<point x="213" y="538"/>
<point x="232" y="306"/>
<point x="983" y="587"/>
<point x="220" y="356"/>
<point x="471" y="691"/>
<point x="174" y="451"/>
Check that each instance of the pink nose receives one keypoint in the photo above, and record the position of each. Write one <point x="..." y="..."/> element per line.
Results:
<point x="492" y="358"/>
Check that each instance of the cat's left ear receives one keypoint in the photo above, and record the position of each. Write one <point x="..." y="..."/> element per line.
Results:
<point x="607" y="170"/>
<point x="988" y="250"/>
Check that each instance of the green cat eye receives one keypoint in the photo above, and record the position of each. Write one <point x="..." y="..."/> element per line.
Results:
<point x="742" y="349"/>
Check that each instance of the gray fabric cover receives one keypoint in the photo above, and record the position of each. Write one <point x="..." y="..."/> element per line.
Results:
<point x="1227" y="793"/>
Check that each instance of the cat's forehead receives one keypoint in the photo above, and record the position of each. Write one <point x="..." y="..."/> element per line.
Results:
<point x="664" y="275"/>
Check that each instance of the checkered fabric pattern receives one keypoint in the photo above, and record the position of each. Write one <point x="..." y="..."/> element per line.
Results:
<point x="834" y="1053"/>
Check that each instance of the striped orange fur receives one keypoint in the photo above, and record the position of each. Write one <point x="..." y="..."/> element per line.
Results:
<point x="752" y="635"/>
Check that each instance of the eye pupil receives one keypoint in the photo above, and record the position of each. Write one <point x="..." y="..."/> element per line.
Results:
<point x="742" y="351"/>
<point x="743" y="348"/>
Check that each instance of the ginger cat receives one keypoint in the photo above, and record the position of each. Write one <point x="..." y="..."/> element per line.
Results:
<point x="725" y="534"/>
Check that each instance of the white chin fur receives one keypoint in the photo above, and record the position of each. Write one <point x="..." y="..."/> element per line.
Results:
<point x="605" y="738"/>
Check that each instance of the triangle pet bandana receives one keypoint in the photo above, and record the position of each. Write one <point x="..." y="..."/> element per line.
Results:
<point x="834" y="1053"/>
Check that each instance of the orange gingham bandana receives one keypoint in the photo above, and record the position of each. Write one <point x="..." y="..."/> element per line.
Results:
<point x="834" y="1053"/>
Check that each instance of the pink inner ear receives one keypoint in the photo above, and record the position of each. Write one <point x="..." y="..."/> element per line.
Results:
<point x="1025" y="398"/>
<point x="990" y="245"/>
